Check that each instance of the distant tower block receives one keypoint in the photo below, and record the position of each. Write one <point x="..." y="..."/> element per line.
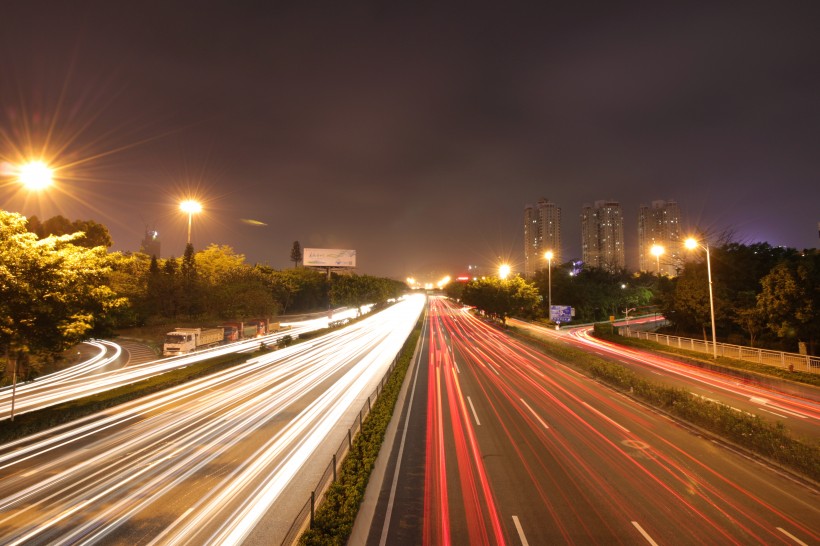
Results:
<point x="659" y="224"/>
<point x="542" y="232"/>
<point x="602" y="236"/>
<point x="150" y="244"/>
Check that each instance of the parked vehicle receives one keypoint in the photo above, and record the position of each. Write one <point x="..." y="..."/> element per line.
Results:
<point x="236" y="331"/>
<point x="185" y="340"/>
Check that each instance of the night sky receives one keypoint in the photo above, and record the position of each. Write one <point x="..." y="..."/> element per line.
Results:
<point x="412" y="132"/>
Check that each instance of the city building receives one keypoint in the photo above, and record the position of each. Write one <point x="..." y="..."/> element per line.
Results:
<point x="602" y="236"/>
<point x="542" y="232"/>
<point x="150" y="243"/>
<point x="659" y="224"/>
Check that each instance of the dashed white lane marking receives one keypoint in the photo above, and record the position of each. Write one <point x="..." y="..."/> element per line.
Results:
<point x="475" y="415"/>
<point x="644" y="533"/>
<point x="534" y="414"/>
<point x="605" y="417"/>
<point x="791" y="536"/>
<point x="520" y="530"/>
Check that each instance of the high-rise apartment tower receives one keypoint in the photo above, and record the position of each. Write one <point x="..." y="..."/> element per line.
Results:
<point x="542" y="232"/>
<point x="602" y="236"/>
<point x="659" y="224"/>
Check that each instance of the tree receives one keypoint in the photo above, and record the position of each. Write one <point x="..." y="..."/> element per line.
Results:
<point x="790" y="299"/>
<point x="296" y="253"/>
<point x="131" y="278"/>
<point x="245" y="293"/>
<point x="502" y="297"/>
<point x="52" y="292"/>
<point x="168" y="289"/>
<point x="359" y="290"/>
<point x="188" y="283"/>
<point x="93" y="234"/>
<point x="353" y="290"/>
<point x="216" y="261"/>
<point x="300" y="289"/>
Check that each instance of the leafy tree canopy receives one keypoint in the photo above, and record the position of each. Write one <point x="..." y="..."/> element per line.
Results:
<point x="52" y="291"/>
<point x="93" y="234"/>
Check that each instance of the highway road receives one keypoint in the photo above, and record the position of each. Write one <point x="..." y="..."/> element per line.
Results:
<point x="498" y="444"/>
<point x="104" y="368"/>
<point x="226" y="459"/>
<point x="796" y="406"/>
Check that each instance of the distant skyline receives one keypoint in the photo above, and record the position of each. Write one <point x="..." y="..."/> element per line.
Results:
<point x="414" y="135"/>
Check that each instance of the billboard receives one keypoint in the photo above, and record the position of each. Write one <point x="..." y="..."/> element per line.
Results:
<point x="561" y="313"/>
<point x="329" y="257"/>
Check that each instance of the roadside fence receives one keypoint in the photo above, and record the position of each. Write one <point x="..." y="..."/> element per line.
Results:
<point x="305" y="517"/>
<point x="788" y="361"/>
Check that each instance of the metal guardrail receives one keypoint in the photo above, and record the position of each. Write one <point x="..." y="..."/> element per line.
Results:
<point x="304" y="518"/>
<point x="788" y="361"/>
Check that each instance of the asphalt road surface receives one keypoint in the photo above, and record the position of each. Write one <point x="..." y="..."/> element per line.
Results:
<point x="498" y="444"/>
<point x="213" y="461"/>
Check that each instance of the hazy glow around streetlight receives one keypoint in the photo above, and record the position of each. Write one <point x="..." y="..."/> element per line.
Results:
<point x="190" y="206"/>
<point x="35" y="175"/>
<point x="656" y="250"/>
<point x="548" y="255"/>
<point x="504" y="271"/>
<point x="691" y="243"/>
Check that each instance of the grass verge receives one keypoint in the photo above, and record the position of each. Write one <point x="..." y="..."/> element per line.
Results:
<point x="333" y="521"/>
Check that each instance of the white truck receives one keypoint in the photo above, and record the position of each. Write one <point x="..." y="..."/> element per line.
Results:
<point x="185" y="340"/>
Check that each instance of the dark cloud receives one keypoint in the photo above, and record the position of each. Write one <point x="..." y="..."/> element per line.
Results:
<point x="415" y="134"/>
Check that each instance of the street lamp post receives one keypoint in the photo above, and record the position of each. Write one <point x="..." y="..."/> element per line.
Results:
<point x="657" y="251"/>
<point x="692" y="243"/>
<point x="626" y="313"/>
<point x="190" y="207"/>
<point x="548" y="255"/>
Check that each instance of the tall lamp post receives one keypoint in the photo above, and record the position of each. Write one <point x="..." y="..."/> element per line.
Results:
<point x="34" y="176"/>
<point x="657" y="251"/>
<point x="549" y="255"/>
<point x="691" y="243"/>
<point x="190" y="207"/>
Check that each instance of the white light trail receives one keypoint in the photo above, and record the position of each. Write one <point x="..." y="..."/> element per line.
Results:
<point x="232" y="441"/>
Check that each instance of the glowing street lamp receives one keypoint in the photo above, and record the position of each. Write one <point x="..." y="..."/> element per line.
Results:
<point x="691" y="243"/>
<point x="504" y="271"/>
<point x="657" y="251"/>
<point x="190" y="207"/>
<point x="549" y="255"/>
<point x="35" y="175"/>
